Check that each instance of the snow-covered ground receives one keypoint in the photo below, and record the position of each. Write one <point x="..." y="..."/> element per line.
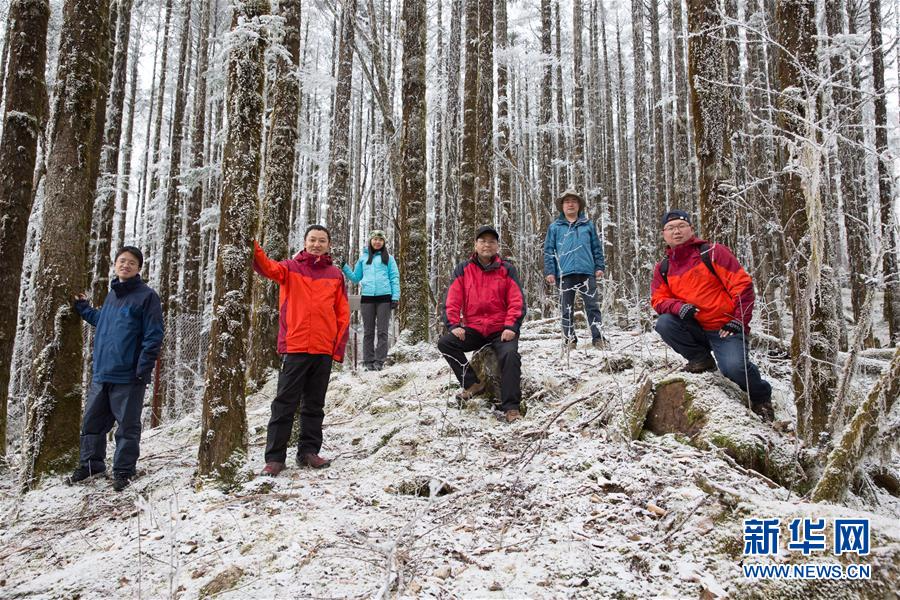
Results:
<point x="428" y="500"/>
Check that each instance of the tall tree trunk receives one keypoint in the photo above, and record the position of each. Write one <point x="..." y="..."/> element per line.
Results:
<point x="339" y="163"/>
<point x="889" y="225"/>
<point x="452" y="194"/>
<point x="814" y="344"/>
<point x="684" y="196"/>
<point x="123" y="191"/>
<point x="104" y="204"/>
<point x="54" y="399"/>
<point x="659" y="157"/>
<point x="578" y="97"/>
<point x="504" y="143"/>
<point x="23" y="118"/>
<point x="646" y="236"/>
<point x="223" y="439"/>
<point x="545" y="115"/>
<point x="284" y="98"/>
<point x="624" y="224"/>
<point x="484" y="166"/>
<point x="469" y="212"/>
<point x="413" y="191"/>
<point x="613" y="182"/>
<point x="711" y="103"/>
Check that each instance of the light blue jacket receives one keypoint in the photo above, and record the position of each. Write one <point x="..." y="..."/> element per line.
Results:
<point x="573" y="248"/>
<point x="378" y="279"/>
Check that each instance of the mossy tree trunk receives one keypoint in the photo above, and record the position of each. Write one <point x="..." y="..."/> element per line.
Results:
<point x="223" y="441"/>
<point x="845" y="459"/>
<point x="25" y="111"/>
<point x="54" y="398"/>
<point x="279" y="185"/>
<point x="413" y="191"/>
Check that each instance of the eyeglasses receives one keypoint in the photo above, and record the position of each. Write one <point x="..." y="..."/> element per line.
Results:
<point x="486" y="241"/>
<point x="678" y="227"/>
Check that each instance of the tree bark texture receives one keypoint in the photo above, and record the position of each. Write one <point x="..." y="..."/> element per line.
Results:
<point x="284" y="97"/>
<point x="711" y="103"/>
<point x="23" y="118"/>
<point x="413" y="190"/>
<point x="51" y="437"/>
<point x="223" y="440"/>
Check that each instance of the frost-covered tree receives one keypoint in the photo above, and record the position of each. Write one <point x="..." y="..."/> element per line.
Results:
<point x="105" y="201"/>
<point x="339" y="162"/>
<point x="284" y="97"/>
<point x="223" y="440"/>
<point x="815" y="336"/>
<point x="54" y="399"/>
<point x="25" y="109"/>
<point x="413" y="192"/>
<point x="712" y="106"/>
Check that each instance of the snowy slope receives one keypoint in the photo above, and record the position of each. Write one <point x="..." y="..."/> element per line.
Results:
<point x="556" y="505"/>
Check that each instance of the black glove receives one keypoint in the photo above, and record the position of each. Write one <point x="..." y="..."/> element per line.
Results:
<point x="343" y="264"/>
<point x="733" y="326"/>
<point x="395" y="304"/>
<point x="144" y="378"/>
<point x="688" y="311"/>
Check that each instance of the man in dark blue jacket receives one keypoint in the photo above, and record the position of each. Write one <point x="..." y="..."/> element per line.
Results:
<point x="128" y="337"/>
<point x="573" y="260"/>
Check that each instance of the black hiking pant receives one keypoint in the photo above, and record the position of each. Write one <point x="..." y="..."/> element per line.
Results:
<point x="508" y="358"/>
<point x="302" y="382"/>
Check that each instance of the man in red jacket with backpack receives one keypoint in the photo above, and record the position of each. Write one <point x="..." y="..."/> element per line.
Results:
<point x="704" y="299"/>
<point x="484" y="306"/>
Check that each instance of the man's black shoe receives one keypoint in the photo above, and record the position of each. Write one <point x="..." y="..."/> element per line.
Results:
<point x="82" y="474"/>
<point x="121" y="481"/>
<point x="700" y="365"/>
<point x="764" y="410"/>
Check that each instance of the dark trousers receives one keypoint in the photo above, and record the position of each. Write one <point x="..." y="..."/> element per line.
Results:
<point x="375" y="315"/>
<point x="303" y="381"/>
<point x="691" y="341"/>
<point x="109" y="404"/>
<point x="586" y="287"/>
<point x="508" y="358"/>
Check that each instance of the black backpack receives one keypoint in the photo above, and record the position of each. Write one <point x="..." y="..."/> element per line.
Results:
<point x="704" y="256"/>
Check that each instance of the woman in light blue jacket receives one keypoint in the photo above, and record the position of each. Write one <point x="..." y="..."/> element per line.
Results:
<point x="379" y="276"/>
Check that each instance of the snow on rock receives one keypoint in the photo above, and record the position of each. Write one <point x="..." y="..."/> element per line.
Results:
<point x="426" y="500"/>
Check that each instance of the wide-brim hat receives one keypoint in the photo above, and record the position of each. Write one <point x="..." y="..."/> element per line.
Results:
<point x="569" y="193"/>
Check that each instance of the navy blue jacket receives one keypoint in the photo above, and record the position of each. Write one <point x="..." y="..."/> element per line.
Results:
<point x="573" y="248"/>
<point x="129" y="332"/>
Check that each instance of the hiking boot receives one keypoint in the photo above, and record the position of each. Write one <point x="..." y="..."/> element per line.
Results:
<point x="272" y="469"/>
<point x="601" y="343"/>
<point x="512" y="415"/>
<point x="83" y="473"/>
<point x="570" y="344"/>
<point x="368" y="367"/>
<point x="313" y="461"/>
<point x="764" y="409"/>
<point x="701" y="365"/>
<point x="470" y="391"/>
<point x="121" y="481"/>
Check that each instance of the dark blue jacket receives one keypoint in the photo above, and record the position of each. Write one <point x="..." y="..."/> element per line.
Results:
<point x="573" y="248"/>
<point x="129" y="332"/>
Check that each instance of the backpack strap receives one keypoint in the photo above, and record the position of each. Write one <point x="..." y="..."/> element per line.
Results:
<point x="704" y="256"/>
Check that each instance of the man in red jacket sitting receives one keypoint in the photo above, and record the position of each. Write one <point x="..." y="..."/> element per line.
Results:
<point x="484" y="306"/>
<point x="704" y="299"/>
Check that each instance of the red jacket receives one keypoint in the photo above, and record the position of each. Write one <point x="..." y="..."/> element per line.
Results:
<point x="487" y="299"/>
<point x="718" y="299"/>
<point x="312" y="300"/>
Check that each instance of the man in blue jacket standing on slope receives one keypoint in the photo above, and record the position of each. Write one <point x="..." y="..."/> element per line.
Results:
<point x="573" y="260"/>
<point x="128" y="337"/>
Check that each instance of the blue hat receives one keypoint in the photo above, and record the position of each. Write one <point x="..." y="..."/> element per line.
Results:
<point x="676" y="215"/>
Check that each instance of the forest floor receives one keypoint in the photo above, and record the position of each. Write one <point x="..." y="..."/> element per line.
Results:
<point x="425" y="499"/>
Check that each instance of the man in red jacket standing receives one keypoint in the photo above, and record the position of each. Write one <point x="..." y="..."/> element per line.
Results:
<point x="312" y="333"/>
<point x="484" y="306"/>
